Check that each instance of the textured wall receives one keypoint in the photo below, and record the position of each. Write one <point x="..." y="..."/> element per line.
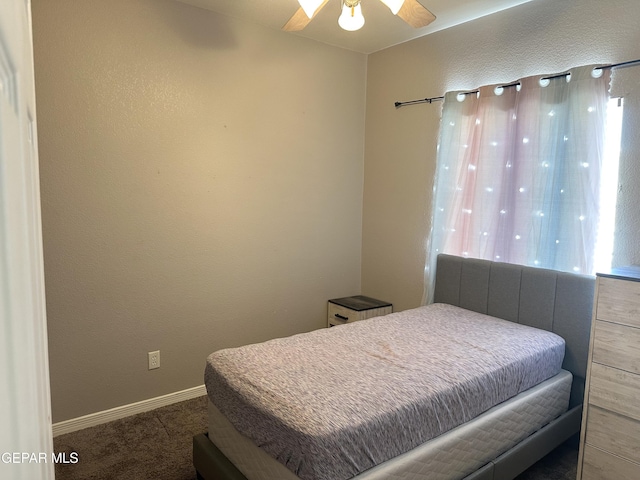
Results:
<point x="544" y="36"/>
<point x="199" y="190"/>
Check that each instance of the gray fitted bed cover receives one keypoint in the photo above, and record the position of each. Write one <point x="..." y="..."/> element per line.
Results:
<point x="332" y="403"/>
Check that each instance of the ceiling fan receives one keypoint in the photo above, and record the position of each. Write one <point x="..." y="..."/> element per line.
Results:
<point x="351" y="18"/>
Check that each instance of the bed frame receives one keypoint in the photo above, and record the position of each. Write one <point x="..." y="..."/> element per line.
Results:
<point x="546" y="299"/>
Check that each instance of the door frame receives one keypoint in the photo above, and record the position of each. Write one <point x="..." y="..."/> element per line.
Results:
<point x="25" y="400"/>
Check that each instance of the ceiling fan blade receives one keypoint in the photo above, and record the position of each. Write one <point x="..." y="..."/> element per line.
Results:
<point x="299" y="20"/>
<point x="415" y="14"/>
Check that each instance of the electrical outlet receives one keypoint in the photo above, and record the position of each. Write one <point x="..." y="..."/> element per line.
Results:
<point x="154" y="359"/>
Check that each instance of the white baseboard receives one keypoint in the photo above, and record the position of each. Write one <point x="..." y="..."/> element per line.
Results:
<point x="105" y="416"/>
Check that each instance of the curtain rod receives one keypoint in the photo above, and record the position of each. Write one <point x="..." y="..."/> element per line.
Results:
<point x="630" y="63"/>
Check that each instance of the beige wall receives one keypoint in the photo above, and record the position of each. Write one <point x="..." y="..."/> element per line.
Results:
<point x="201" y="188"/>
<point x="544" y="36"/>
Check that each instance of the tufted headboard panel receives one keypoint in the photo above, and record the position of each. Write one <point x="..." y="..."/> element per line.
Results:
<point x="555" y="301"/>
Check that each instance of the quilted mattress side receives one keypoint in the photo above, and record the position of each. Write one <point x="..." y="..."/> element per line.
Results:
<point x="452" y="455"/>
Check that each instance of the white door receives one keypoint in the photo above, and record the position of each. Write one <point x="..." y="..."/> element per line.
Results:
<point x="25" y="410"/>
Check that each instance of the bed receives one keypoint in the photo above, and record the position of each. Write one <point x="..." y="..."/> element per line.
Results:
<point x="524" y="420"/>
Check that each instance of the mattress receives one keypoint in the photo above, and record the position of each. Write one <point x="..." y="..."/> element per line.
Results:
<point x="452" y="455"/>
<point x="333" y="403"/>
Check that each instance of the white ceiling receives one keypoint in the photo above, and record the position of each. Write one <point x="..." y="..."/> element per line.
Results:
<point x="381" y="30"/>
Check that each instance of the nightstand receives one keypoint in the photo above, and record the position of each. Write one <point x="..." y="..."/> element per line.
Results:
<point x="351" y="309"/>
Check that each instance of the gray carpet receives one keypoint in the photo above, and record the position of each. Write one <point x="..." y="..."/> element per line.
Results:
<point x="156" y="445"/>
<point x="152" y="445"/>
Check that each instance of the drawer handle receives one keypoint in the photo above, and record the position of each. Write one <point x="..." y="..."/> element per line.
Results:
<point x="342" y="317"/>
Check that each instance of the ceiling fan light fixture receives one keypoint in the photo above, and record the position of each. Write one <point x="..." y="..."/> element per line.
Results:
<point x="351" y="18"/>
<point x="394" y="5"/>
<point x="310" y="6"/>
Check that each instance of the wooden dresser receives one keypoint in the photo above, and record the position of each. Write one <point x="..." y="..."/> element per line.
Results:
<point x="610" y="436"/>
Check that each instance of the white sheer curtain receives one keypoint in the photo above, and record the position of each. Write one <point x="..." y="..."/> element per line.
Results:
<point x="518" y="172"/>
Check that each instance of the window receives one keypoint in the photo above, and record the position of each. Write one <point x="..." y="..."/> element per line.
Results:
<point x="527" y="171"/>
<point x="609" y="186"/>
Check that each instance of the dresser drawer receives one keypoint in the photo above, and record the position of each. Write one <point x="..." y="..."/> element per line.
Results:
<point x="338" y="314"/>
<point x="617" y="346"/>
<point x="600" y="465"/>
<point x="619" y="301"/>
<point x="613" y="433"/>
<point x="615" y="390"/>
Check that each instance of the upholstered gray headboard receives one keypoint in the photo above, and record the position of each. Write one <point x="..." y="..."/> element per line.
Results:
<point x="554" y="301"/>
